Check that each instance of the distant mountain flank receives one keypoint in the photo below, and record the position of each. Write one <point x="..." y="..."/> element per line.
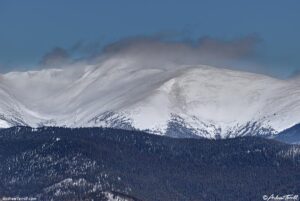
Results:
<point x="290" y="135"/>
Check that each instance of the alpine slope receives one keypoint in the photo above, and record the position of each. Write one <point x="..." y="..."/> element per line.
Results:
<point x="171" y="99"/>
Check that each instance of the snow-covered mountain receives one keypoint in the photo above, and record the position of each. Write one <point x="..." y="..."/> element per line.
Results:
<point x="164" y="99"/>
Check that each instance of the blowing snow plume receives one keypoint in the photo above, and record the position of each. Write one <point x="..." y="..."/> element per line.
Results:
<point x="154" y="85"/>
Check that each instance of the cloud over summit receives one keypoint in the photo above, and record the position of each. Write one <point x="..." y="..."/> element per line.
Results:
<point x="205" y="50"/>
<point x="158" y="50"/>
<point x="57" y="56"/>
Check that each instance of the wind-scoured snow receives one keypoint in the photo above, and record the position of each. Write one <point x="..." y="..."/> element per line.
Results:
<point x="121" y="91"/>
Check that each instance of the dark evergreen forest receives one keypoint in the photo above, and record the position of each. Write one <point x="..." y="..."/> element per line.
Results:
<point x="85" y="163"/>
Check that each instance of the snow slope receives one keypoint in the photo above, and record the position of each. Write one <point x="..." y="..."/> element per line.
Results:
<point x="123" y="92"/>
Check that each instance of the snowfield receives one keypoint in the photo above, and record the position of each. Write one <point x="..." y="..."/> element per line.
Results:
<point x="122" y="92"/>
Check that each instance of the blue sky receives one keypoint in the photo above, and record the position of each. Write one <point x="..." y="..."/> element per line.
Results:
<point x="31" y="28"/>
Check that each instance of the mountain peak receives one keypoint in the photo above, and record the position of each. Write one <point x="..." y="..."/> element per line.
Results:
<point x="209" y="101"/>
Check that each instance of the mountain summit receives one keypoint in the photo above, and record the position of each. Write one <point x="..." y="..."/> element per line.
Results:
<point x="175" y="100"/>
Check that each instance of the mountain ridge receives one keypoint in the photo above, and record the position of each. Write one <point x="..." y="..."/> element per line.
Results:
<point x="121" y="92"/>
